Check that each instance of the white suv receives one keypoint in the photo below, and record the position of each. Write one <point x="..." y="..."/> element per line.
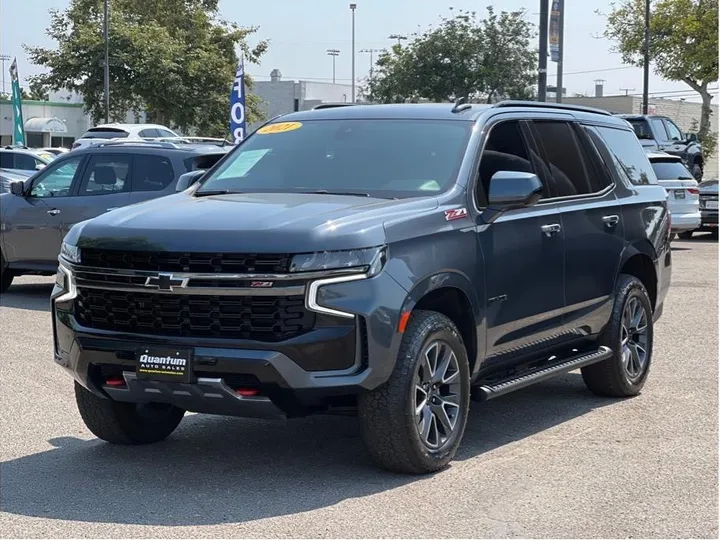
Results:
<point x="108" y="132"/>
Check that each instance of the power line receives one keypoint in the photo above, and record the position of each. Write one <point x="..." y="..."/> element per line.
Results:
<point x="595" y="71"/>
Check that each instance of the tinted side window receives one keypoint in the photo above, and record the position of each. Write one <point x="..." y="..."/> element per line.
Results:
<point x="641" y="127"/>
<point x="505" y="150"/>
<point x="6" y="160"/>
<point x="659" y="128"/>
<point x="149" y="133"/>
<point x="105" y="175"/>
<point x="568" y="172"/>
<point x="629" y="158"/>
<point x="165" y="133"/>
<point x="151" y="173"/>
<point x="673" y="131"/>
<point x="25" y="162"/>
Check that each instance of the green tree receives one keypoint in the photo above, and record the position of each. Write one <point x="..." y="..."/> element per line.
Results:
<point x="480" y="59"/>
<point x="175" y="59"/>
<point x="683" y="42"/>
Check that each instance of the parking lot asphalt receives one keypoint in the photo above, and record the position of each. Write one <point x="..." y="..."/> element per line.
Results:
<point x="548" y="461"/>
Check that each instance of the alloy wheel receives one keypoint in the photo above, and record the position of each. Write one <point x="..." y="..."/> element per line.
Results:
<point x="437" y="394"/>
<point x="634" y="338"/>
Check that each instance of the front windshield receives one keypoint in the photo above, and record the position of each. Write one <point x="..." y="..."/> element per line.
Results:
<point x="380" y="158"/>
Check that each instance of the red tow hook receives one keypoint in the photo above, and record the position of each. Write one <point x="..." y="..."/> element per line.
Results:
<point x="115" y="381"/>
<point x="247" y="392"/>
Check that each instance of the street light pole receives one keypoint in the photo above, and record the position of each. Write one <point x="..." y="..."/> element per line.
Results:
<point x="543" y="51"/>
<point x="372" y="53"/>
<point x="561" y="52"/>
<point x="352" y="91"/>
<point x="334" y="53"/>
<point x="106" y="86"/>
<point x="399" y="38"/>
<point x="646" y="59"/>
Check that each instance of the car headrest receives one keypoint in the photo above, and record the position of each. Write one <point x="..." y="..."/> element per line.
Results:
<point x="105" y="176"/>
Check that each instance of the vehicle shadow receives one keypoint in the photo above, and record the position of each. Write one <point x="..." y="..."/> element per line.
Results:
<point x="216" y="470"/>
<point x="29" y="296"/>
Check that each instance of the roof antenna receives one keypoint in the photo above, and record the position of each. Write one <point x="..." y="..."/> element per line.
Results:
<point x="461" y="105"/>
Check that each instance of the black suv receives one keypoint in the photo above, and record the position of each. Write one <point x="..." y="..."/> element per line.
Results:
<point x="83" y="184"/>
<point x="392" y="259"/>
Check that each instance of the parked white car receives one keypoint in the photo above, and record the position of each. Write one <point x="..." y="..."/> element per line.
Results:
<point x="108" y="132"/>
<point x="682" y="189"/>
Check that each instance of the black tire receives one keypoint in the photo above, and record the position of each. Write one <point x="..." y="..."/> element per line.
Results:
<point x="6" y="279"/>
<point x="611" y="377"/>
<point x="126" y="423"/>
<point x="387" y="417"/>
<point x="697" y="171"/>
<point x="686" y="235"/>
<point x="672" y="237"/>
<point x="6" y="275"/>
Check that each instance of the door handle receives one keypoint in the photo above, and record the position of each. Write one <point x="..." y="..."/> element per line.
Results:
<point x="611" y="221"/>
<point x="53" y="212"/>
<point x="551" y="229"/>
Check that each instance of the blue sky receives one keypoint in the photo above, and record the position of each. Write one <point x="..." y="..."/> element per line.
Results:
<point x="300" y="33"/>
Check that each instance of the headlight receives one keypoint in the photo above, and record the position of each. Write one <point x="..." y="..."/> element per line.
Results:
<point x="70" y="253"/>
<point x="369" y="261"/>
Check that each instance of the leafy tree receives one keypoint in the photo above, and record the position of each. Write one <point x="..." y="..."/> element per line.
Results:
<point x="683" y="42"/>
<point x="175" y="59"/>
<point x="480" y="59"/>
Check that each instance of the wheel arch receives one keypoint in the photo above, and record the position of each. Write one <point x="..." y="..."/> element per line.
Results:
<point x="453" y="295"/>
<point x="637" y="260"/>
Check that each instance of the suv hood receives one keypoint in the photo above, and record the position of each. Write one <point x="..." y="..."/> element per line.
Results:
<point x="709" y="187"/>
<point x="259" y="222"/>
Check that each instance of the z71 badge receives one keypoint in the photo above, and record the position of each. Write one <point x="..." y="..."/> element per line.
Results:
<point x="457" y="213"/>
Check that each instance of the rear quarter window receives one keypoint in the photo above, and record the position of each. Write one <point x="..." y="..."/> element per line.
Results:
<point x="105" y="134"/>
<point x="629" y="158"/>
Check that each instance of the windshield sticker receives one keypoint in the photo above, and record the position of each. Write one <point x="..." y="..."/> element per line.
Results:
<point x="243" y="163"/>
<point x="280" y="127"/>
<point x="430" y="185"/>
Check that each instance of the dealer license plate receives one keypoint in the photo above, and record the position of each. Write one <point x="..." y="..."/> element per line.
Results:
<point x="171" y="365"/>
<point x="679" y="193"/>
<point x="712" y="205"/>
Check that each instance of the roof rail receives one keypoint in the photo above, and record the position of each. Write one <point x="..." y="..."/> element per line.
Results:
<point x="546" y="105"/>
<point x="138" y="142"/>
<point x="331" y="105"/>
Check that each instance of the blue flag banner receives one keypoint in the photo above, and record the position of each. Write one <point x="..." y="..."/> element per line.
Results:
<point x="237" y="105"/>
<point x="19" y="127"/>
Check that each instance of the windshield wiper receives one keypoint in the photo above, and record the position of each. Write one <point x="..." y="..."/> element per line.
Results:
<point x="326" y="192"/>
<point x="209" y="192"/>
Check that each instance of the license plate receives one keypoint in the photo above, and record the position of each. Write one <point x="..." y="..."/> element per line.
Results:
<point x="679" y="193"/>
<point x="170" y="365"/>
<point x="712" y="205"/>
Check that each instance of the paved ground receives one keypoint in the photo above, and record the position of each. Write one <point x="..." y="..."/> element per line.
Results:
<point x="549" y="461"/>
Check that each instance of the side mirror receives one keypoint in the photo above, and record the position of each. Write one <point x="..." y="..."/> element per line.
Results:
<point x="691" y="137"/>
<point x="188" y="179"/>
<point x="17" y="188"/>
<point x="39" y="166"/>
<point x="510" y="190"/>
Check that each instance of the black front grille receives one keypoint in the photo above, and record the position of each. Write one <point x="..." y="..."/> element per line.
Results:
<point x="166" y="261"/>
<point x="260" y="318"/>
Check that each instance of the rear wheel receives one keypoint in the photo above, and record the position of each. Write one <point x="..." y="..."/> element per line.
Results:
<point x="686" y="235"/>
<point x="630" y="336"/>
<point x="126" y="423"/>
<point x="697" y="171"/>
<point x="414" y="423"/>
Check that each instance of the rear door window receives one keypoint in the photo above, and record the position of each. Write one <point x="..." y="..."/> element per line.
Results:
<point x="25" y="162"/>
<point x="6" y="160"/>
<point x="106" y="174"/>
<point x="659" y="129"/>
<point x="569" y="173"/>
<point x="629" y="158"/>
<point x="152" y="172"/>
<point x="150" y="133"/>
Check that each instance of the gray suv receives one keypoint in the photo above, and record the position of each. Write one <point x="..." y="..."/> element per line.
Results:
<point x="81" y="185"/>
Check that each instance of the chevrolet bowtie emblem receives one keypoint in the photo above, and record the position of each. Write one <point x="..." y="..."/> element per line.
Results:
<point x="165" y="282"/>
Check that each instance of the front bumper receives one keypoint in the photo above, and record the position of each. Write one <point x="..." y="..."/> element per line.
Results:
<point x="355" y="354"/>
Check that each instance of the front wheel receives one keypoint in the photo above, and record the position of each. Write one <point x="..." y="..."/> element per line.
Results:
<point x="126" y="423"/>
<point x="414" y="422"/>
<point x="697" y="171"/>
<point x="630" y="336"/>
